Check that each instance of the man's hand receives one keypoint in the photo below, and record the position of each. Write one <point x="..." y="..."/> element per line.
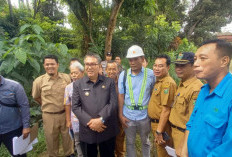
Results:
<point x="124" y="121"/>
<point x="96" y="125"/>
<point x="159" y="139"/>
<point x="26" y="132"/>
<point x="68" y="124"/>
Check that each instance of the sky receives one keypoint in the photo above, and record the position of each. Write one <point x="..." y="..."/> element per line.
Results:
<point x="227" y="28"/>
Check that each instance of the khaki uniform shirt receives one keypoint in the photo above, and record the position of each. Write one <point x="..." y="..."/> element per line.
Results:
<point x="51" y="91"/>
<point x="185" y="98"/>
<point x="162" y="95"/>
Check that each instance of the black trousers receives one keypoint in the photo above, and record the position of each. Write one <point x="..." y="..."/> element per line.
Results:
<point x="106" y="148"/>
<point x="6" y="139"/>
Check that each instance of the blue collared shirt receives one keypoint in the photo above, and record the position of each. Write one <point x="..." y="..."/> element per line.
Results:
<point x="210" y="125"/>
<point x="137" y="81"/>
<point x="11" y="118"/>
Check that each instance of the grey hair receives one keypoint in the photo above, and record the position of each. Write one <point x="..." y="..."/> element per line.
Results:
<point x="77" y="65"/>
<point x="90" y="54"/>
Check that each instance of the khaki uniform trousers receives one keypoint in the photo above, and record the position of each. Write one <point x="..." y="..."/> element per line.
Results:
<point x="54" y="125"/>
<point x="178" y="138"/>
<point x="120" y="147"/>
<point x="160" y="150"/>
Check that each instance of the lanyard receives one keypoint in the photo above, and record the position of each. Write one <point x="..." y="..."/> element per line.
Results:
<point x="141" y="91"/>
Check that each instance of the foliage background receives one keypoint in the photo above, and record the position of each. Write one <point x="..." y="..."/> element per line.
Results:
<point x="38" y="27"/>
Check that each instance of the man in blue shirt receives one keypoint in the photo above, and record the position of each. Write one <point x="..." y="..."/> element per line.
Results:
<point x="14" y="113"/>
<point x="133" y="101"/>
<point x="209" y="128"/>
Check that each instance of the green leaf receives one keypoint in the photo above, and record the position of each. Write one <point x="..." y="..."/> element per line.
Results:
<point x="20" y="77"/>
<point x="21" y="55"/>
<point x="37" y="45"/>
<point x="34" y="64"/>
<point x="63" y="49"/>
<point x="8" y="64"/>
<point x="24" y="27"/>
<point x="37" y="29"/>
<point x="7" y="52"/>
<point x="40" y="38"/>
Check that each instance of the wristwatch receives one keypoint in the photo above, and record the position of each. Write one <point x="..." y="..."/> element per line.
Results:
<point x="101" y="118"/>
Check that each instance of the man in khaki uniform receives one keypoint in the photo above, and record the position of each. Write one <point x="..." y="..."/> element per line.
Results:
<point x="160" y="103"/>
<point x="185" y="98"/>
<point x="48" y="90"/>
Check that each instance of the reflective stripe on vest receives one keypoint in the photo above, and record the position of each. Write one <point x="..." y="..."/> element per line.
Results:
<point x="133" y="106"/>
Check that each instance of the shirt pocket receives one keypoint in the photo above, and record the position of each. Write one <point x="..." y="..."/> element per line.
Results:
<point x="157" y="91"/>
<point x="214" y="127"/>
<point x="46" y="91"/>
<point x="8" y="97"/>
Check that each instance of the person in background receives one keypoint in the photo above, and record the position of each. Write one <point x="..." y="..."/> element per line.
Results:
<point x="145" y="62"/>
<point x="134" y="94"/>
<point x="185" y="98"/>
<point x="159" y="107"/>
<point x="119" y="62"/>
<point x="14" y="113"/>
<point x="48" y="90"/>
<point x="76" y="72"/>
<point x="108" y="57"/>
<point x="112" y="72"/>
<point x="209" y="128"/>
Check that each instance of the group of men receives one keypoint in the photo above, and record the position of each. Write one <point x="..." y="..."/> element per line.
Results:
<point x="193" y="118"/>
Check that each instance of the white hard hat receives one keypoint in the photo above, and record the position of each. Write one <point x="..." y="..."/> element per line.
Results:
<point x="134" y="51"/>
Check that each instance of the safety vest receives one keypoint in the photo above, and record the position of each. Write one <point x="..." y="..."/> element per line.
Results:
<point x="139" y="106"/>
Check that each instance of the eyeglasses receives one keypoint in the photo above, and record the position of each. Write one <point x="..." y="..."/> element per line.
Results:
<point x="90" y="64"/>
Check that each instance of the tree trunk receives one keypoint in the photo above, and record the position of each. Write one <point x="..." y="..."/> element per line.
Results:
<point x="192" y="28"/>
<point x="28" y="6"/>
<point x="111" y="25"/>
<point x="11" y="10"/>
<point x="36" y="7"/>
<point x="85" y="19"/>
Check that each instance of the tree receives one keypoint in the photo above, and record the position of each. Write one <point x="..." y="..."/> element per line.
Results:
<point x="207" y="16"/>
<point x="112" y="22"/>
<point x="83" y="12"/>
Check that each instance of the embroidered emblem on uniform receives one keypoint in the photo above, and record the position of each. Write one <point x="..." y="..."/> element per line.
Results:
<point x="166" y="91"/>
<point x="86" y="93"/>
<point x="195" y="95"/>
<point x="103" y="86"/>
<point x="215" y="109"/>
<point x="194" y="102"/>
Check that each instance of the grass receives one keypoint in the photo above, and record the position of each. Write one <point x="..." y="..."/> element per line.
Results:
<point x="39" y="149"/>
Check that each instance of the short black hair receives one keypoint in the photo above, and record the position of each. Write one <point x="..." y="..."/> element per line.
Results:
<point x="111" y="62"/>
<point x="74" y="59"/>
<point x="223" y="47"/>
<point x="168" y="60"/>
<point x="51" y="57"/>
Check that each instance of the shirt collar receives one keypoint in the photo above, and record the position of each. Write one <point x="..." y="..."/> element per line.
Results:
<point x="188" y="82"/>
<point x="142" y="70"/>
<point x="100" y="78"/>
<point x="2" y="80"/>
<point x="49" y="77"/>
<point x="222" y="86"/>
<point x="160" y="80"/>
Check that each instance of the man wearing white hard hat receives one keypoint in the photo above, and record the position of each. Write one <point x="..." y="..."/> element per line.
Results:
<point x="135" y="86"/>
